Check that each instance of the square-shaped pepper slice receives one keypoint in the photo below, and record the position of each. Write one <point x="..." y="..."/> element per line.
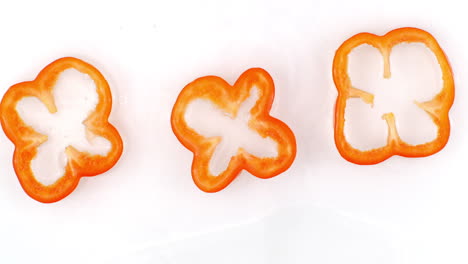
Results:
<point x="437" y="108"/>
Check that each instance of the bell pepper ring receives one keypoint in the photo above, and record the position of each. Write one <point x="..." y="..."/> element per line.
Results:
<point x="229" y="99"/>
<point x="27" y="140"/>
<point x="437" y="108"/>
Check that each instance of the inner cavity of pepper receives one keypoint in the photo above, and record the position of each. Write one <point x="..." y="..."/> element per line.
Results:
<point x="210" y="121"/>
<point x="389" y="93"/>
<point x="74" y="97"/>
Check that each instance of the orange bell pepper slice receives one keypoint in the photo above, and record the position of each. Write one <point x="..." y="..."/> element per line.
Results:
<point x="437" y="108"/>
<point x="27" y="140"/>
<point x="229" y="98"/>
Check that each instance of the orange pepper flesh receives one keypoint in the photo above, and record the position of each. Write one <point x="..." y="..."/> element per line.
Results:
<point x="228" y="98"/>
<point x="27" y="140"/>
<point x="437" y="108"/>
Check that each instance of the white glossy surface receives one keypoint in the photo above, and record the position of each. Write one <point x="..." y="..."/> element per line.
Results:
<point x="404" y="211"/>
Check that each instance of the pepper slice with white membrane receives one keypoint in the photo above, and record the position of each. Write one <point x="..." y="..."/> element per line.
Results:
<point x="229" y="129"/>
<point x="59" y="126"/>
<point x="394" y="95"/>
<point x="75" y="97"/>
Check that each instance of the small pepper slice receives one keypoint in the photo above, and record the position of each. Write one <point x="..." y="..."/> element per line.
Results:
<point x="437" y="108"/>
<point x="27" y="140"/>
<point x="228" y="98"/>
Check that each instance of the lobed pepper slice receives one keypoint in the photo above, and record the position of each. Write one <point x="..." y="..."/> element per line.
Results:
<point x="437" y="108"/>
<point x="228" y="98"/>
<point x="27" y="140"/>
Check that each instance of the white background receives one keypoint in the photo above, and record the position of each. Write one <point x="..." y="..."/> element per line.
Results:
<point x="147" y="209"/>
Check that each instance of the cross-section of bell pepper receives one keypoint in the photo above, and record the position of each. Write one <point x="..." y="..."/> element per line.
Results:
<point x="27" y="140"/>
<point x="229" y="98"/>
<point x="437" y="108"/>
